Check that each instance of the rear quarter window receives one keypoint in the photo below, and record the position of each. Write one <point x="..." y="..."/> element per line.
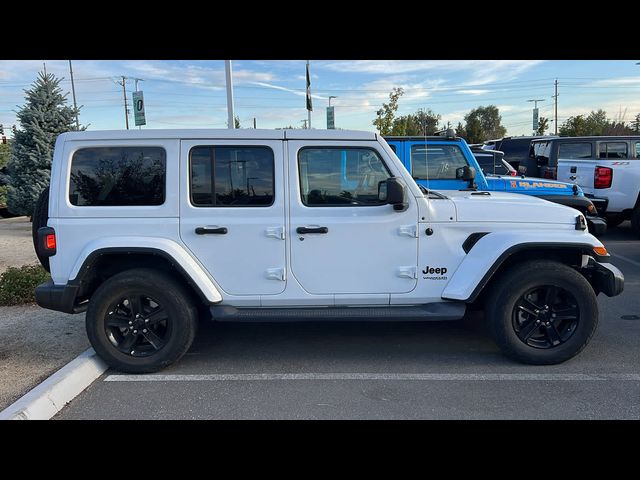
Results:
<point x="118" y="176"/>
<point x="574" y="150"/>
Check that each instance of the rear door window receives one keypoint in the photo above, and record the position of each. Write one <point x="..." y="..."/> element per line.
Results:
<point x="574" y="150"/>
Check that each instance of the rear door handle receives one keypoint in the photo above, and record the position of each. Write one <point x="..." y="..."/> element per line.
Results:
<point x="302" y="230"/>
<point x="211" y="231"/>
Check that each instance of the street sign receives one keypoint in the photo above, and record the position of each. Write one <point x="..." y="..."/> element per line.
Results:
<point x="535" y="119"/>
<point x="330" y="118"/>
<point x="138" y="109"/>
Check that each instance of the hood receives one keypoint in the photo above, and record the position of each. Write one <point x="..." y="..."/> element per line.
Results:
<point x="509" y="207"/>
<point x="532" y="186"/>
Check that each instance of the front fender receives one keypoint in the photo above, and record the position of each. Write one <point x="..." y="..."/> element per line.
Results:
<point x="487" y="254"/>
<point x="165" y="247"/>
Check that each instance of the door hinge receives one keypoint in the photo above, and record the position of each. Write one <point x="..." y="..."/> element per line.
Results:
<point x="408" y="231"/>
<point x="275" y="232"/>
<point x="408" y="272"/>
<point x="276" y="274"/>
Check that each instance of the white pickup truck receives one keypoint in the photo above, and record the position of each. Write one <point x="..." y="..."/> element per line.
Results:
<point x="607" y="169"/>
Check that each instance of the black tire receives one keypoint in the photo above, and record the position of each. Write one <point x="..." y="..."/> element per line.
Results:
<point x="39" y="219"/>
<point x="635" y="220"/>
<point x="530" y="280"/>
<point x="614" y="220"/>
<point x="5" y="213"/>
<point x="175" y="333"/>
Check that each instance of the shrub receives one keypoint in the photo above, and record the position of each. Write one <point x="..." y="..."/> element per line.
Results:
<point x="17" y="285"/>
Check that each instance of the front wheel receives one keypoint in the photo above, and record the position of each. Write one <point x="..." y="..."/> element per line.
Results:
<point x="542" y="312"/>
<point x="141" y="321"/>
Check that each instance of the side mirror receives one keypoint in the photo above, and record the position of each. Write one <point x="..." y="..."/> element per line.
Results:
<point x="466" y="173"/>
<point x="392" y="192"/>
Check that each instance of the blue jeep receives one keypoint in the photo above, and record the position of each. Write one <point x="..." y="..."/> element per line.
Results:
<point x="447" y="163"/>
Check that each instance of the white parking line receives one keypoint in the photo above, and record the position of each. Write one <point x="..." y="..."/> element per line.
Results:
<point x="626" y="259"/>
<point x="243" y="377"/>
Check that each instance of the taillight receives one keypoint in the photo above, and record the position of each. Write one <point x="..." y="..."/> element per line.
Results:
<point x="603" y="177"/>
<point x="50" y="241"/>
<point x="513" y="173"/>
<point x="47" y="244"/>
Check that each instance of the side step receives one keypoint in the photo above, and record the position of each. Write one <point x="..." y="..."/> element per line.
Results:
<point x="427" y="312"/>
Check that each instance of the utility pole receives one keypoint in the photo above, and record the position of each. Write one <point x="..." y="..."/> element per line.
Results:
<point x="254" y="123"/>
<point x="555" y="97"/>
<point x="308" y="93"/>
<point x="304" y="123"/>
<point x="124" y="95"/>
<point x="229" y="76"/>
<point x="73" y="91"/>
<point x="44" y="66"/>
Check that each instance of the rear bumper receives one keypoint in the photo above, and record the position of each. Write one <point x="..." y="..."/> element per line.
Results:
<point x="61" y="298"/>
<point x="606" y="278"/>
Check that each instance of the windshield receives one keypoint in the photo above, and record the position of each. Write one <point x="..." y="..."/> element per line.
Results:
<point x="436" y="162"/>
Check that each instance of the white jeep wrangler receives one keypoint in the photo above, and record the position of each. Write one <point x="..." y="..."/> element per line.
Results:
<point x="149" y="230"/>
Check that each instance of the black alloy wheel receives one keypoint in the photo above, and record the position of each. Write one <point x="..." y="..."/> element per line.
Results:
<point x="138" y="325"/>
<point x="545" y="316"/>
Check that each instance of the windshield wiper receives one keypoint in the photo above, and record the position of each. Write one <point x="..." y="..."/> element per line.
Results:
<point x="426" y="191"/>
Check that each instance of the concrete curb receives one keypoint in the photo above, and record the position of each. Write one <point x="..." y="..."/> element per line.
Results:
<point x="48" y="398"/>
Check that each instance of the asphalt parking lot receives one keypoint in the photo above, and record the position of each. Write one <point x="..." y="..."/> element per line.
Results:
<point x="447" y="370"/>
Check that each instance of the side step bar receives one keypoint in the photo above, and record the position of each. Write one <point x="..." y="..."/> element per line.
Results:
<point x="427" y="312"/>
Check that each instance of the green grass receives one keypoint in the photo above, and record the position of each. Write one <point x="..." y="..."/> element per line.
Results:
<point x="17" y="285"/>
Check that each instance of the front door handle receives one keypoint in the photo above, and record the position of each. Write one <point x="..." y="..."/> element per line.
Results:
<point x="209" y="231"/>
<point x="302" y="230"/>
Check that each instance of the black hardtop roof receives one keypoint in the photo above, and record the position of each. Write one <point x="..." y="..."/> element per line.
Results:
<point x="592" y="137"/>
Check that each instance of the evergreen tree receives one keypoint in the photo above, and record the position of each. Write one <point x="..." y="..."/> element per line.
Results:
<point x="635" y="125"/>
<point x="43" y="117"/>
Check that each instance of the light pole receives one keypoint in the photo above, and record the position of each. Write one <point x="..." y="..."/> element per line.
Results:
<point x="535" y="112"/>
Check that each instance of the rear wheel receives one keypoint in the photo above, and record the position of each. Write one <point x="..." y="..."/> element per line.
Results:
<point x="39" y="219"/>
<point x="542" y="312"/>
<point x="614" y="220"/>
<point x="141" y="321"/>
<point x="635" y="220"/>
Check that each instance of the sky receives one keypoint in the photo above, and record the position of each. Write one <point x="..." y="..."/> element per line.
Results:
<point x="192" y="94"/>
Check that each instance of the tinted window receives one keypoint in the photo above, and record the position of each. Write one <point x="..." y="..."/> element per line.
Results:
<point x="515" y="147"/>
<point x="340" y="176"/>
<point x="491" y="166"/>
<point x="436" y="162"/>
<point x="637" y="149"/>
<point x="574" y="150"/>
<point x="117" y="176"/>
<point x="231" y="176"/>
<point x="613" y="150"/>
